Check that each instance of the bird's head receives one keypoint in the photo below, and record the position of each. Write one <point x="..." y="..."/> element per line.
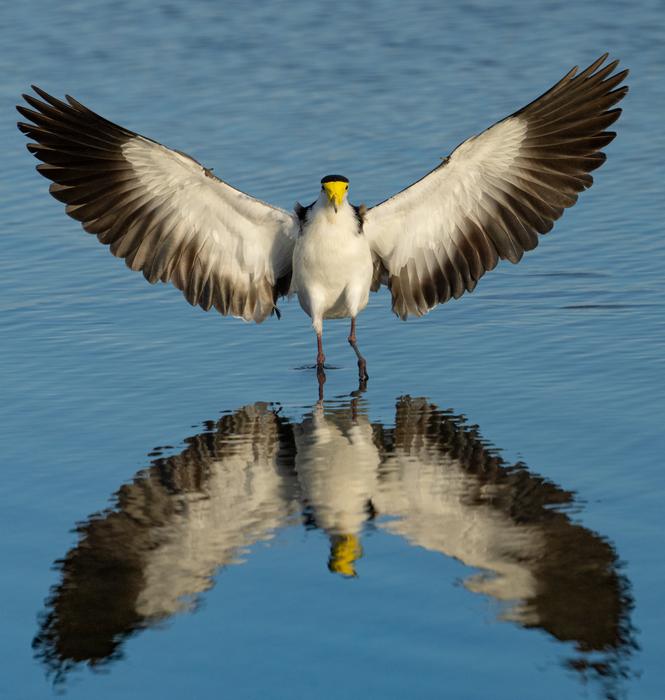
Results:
<point x="334" y="187"/>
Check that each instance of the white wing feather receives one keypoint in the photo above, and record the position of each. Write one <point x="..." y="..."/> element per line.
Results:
<point x="495" y="193"/>
<point x="162" y="211"/>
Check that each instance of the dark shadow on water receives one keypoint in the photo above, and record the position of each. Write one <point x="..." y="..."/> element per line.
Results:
<point x="253" y="471"/>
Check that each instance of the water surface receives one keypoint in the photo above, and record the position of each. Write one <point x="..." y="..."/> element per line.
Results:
<point x="483" y="521"/>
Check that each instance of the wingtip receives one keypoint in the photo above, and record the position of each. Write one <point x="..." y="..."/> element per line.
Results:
<point x="20" y="108"/>
<point x="50" y="99"/>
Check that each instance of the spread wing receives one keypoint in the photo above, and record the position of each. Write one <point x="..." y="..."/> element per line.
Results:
<point x="495" y="192"/>
<point x="162" y="211"/>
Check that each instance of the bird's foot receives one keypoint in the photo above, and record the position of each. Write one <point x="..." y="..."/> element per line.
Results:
<point x="362" y="370"/>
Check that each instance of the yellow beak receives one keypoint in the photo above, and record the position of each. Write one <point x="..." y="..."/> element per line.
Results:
<point x="336" y="192"/>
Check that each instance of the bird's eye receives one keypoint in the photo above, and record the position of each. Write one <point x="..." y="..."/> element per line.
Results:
<point x="347" y="187"/>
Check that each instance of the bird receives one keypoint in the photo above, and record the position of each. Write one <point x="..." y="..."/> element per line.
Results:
<point x="173" y="219"/>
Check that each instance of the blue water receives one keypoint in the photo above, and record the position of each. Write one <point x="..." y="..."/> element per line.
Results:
<point x="180" y="516"/>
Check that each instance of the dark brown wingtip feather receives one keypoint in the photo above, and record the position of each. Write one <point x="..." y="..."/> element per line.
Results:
<point x="596" y="64"/>
<point x="53" y="101"/>
<point x="25" y="128"/>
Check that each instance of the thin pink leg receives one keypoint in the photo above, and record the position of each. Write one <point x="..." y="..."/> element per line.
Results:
<point x="320" y="357"/>
<point x="362" y="364"/>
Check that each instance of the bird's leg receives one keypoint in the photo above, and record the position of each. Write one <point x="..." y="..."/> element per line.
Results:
<point x="362" y="364"/>
<point x="320" y="357"/>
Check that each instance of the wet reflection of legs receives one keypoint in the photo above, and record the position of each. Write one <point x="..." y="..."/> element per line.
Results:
<point x="321" y="378"/>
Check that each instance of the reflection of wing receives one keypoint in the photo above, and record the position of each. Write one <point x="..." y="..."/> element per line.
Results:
<point x="171" y="529"/>
<point x="436" y="498"/>
<point x="453" y="495"/>
<point x="161" y="211"/>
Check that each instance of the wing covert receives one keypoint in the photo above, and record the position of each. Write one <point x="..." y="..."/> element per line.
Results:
<point x="495" y="192"/>
<point x="162" y="211"/>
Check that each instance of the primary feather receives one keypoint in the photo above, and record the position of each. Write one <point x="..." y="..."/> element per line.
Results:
<point x="162" y="211"/>
<point x="495" y="193"/>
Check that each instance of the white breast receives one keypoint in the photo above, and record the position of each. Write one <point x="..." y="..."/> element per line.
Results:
<point x="332" y="264"/>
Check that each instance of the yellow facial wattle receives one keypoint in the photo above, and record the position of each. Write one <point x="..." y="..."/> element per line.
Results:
<point x="336" y="191"/>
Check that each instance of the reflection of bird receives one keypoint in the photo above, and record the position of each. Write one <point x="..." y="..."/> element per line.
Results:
<point x="253" y="472"/>
<point x="337" y="464"/>
<point x="171" y="218"/>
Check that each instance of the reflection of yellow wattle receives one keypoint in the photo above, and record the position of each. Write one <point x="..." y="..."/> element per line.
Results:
<point x="344" y="551"/>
